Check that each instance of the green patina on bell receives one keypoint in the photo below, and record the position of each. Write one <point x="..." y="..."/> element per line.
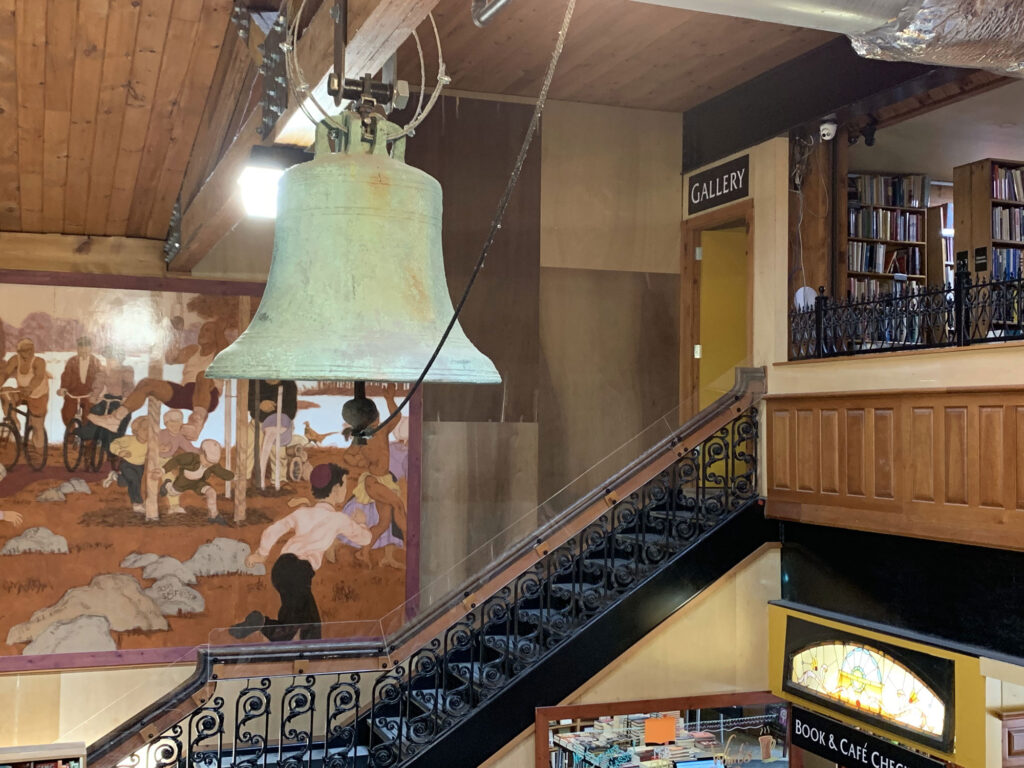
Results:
<point x="356" y="290"/>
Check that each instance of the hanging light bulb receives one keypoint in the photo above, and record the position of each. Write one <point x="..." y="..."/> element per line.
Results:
<point x="356" y="290"/>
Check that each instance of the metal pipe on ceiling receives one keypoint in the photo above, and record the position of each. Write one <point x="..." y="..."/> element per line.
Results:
<point x="485" y="10"/>
<point x="976" y="34"/>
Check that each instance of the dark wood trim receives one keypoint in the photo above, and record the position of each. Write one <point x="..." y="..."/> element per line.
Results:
<point x="544" y="715"/>
<point x="740" y="212"/>
<point x="130" y="282"/>
<point x="820" y="82"/>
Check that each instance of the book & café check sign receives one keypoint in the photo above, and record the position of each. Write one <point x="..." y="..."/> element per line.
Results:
<point x="850" y="747"/>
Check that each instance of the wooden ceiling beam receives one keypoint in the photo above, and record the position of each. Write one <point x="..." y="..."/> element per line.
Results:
<point x="76" y="253"/>
<point x="377" y="29"/>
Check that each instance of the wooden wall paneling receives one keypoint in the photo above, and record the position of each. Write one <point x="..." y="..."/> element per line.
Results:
<point x="956" y="464"/>
<point x="183" y="33"/>
<point x="991" y="471"/>
<point x="610" y="204"/>
<point x="10" y="204"/>
<point x="60" y="58"/>
<point x="884" y="439"/>
<point x="610" y="374"/>
<point x="466" y="504"/>
<point x="1018" y="452"/>
<point x="85" y="91"/>
<point x="30" y="19"/>
<point x="502" y="314"/>
<point x="781" y="458"/>
<point x="122" y="22"/>
<point x="922" y="437"/>
<point x="941" y="464"/>
<point x="829" y="450"/>
<point x="150" y="49"/>
<point x="188" y="111"/>
<point x="808" y="448"/>
<point x="856" y="471"/>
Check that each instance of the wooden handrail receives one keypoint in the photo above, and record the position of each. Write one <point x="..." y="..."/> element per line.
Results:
<point x="310" y="657"/>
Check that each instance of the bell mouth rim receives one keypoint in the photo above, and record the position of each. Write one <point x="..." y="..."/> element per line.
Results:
<point x="397" y="376"/>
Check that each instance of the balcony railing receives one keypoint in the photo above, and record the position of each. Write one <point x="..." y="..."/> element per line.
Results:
<point x="956" y="315"/>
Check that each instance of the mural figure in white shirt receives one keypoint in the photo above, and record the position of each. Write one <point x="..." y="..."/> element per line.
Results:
<point x="314" y="530"/>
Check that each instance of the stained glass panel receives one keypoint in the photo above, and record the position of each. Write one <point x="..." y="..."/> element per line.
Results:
<point x="869" y="681"/>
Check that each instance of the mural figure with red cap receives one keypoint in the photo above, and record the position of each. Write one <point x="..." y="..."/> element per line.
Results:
<point x="314" y="530"/>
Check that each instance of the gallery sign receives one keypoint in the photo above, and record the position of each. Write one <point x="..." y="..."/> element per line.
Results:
<point x="850" y="747"/>
<point x="716" y="186"/>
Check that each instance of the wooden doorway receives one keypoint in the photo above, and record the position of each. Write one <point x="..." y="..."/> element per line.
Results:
<point x="716" y="294"/>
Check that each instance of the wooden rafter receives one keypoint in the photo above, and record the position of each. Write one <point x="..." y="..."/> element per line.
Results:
<point x="76" y="253"/>
<point x="378" y="28"/>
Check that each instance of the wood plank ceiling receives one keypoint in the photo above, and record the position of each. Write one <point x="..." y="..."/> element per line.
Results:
<point x="618" y="52"/>
<point x="100" y="103"/>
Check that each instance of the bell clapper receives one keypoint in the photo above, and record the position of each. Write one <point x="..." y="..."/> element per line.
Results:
<point x="359" y="413"/>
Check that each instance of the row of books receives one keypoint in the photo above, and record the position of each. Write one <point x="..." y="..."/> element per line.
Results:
<point x="1007" y="223"/>
<point x="1007" y="183"/>
<point x="877" y="257"/>
<point x="881" y="224"/>
<point x="1006" y="263"/>
<point x="867" y="288"/>
<point x="910" y="191"/>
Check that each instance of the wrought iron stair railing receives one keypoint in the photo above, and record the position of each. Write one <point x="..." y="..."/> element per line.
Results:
<point x="341" y="706"/>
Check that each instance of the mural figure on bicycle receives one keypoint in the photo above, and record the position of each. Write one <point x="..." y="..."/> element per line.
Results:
<point x="135" y="489"/>
<point x="31" y="392"/>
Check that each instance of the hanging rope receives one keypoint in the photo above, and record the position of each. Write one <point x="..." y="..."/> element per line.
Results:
<point x="499" y="215"/>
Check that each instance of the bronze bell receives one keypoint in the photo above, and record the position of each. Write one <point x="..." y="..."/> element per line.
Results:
<point x="356" y="290"/>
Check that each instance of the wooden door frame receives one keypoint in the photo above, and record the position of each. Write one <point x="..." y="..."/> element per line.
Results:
<point x="739" y="213"/>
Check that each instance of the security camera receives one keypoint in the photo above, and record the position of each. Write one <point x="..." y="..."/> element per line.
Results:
<point x="828" y="129"/>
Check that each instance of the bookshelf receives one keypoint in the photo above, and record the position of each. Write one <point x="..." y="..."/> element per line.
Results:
<point x="71" y="755"/>
<point x="885" y="249"/>
<point x="989" y="205"/>
<point x="940" y="249"/>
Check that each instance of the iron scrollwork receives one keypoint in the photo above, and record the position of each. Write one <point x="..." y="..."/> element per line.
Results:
<point x="382" y="718"/>
<point x="967" y="311"/>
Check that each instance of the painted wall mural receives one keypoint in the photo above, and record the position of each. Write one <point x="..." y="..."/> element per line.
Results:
<point x="147" y="509"/>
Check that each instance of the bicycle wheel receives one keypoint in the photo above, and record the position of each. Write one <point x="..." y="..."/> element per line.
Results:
<point x="74" y="446"/>
<point x="10" y="443"/>
<point x="96" y="453"/>
<point x="35" y="455"/>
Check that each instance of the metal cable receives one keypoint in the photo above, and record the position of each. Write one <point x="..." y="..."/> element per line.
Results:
<point x="499" y="215"/>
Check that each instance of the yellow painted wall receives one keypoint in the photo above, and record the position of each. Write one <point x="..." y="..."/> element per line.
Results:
<point x="724" y="310"/>
<point x="717" y="643"/>
<point x="49" y="707"/>
<point x="969" y="687"/>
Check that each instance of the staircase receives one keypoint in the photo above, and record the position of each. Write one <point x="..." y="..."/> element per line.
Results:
<point x="462" y="681"/>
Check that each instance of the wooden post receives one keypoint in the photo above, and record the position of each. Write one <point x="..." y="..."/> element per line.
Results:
<point x="242" y="421"/>
<point x="225" y="388"/>
<point x="153" y="463"/>
<point x="277" y="441"/>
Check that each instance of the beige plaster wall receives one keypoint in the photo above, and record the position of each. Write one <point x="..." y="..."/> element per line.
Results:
<point x="50" y="707"/>
<point x="716" y="643"/>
